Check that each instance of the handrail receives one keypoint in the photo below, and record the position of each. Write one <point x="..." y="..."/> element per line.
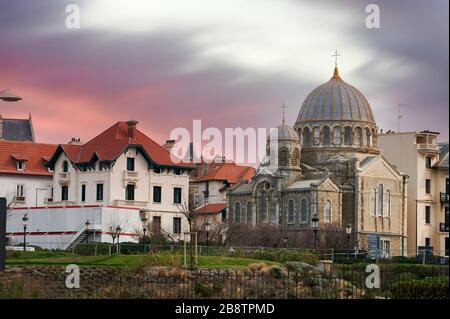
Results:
<point x="68" y="242"/>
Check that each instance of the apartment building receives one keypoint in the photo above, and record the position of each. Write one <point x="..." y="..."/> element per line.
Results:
<point x="419" y="155"/>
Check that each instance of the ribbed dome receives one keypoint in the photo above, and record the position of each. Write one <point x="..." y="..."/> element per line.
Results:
<point x="335" y="100"/>
<point x="284" y="131"/>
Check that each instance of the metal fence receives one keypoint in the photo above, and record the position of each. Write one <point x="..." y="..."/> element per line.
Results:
<point x="341" y="282"/>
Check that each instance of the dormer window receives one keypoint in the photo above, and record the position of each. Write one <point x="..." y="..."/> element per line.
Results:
<point x="20" y="165"/>
<point x="20" y="161"/>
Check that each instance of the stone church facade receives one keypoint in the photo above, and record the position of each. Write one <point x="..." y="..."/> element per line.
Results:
<point x="328" y="166"/>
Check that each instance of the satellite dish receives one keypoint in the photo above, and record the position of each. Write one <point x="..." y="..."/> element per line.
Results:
<point x="9" y="96"/>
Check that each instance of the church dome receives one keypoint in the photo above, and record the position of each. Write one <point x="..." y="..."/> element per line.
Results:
<point x="284" y="132"/>
<point x="335" y="100"/>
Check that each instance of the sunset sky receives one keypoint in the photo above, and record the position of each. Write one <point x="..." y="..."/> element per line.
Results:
<point x="228" y="63"/>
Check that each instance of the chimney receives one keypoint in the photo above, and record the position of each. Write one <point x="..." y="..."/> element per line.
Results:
<point x="75" y="141"/>
<point x="132" y="128"/>
<point x="169" y="144"/>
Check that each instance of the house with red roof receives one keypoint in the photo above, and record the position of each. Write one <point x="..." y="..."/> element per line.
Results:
<point x="25" y="180"/>
<point x="209" y="184"/>
<point x="119" y="182"/>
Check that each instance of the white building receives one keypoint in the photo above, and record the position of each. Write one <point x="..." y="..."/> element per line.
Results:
<point x="25" y="180"/>
<point x="113" y="180"/>
<point x="419" y="155"/>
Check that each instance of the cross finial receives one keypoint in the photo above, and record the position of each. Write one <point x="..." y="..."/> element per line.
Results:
<point x="283" y="108"/>
<point x="335" y="57"/>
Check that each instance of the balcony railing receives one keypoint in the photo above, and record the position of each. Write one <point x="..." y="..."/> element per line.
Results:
<point x="130" y="177"/>
<point x="444" y="198"/>
<point x="428" y="147"/>
<point x="19" y="199"/>
<point x="443" y="227"/>
<point x="64" y="178"/>
<point x="130" y="203"/>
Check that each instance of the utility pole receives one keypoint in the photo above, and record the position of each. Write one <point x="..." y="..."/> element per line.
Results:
<point x="2" y="234"/>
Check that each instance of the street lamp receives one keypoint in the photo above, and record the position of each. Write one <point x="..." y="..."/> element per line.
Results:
<point x="348" y="231"/>
<point x="8" y="96"/>
<point x="285" y="241"/>
<point x="87" y="223"/>
<point x="207" y="228"/>
<point x="144" y="221"/>
<point x="25" y="224"/>
<point x="118" y="229"/>
<point x="315" y="227"/>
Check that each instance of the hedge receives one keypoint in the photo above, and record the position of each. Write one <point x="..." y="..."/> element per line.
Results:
<point x="429" y="288"/>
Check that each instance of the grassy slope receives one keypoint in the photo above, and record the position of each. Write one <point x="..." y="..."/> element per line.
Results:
<point x="130" y="261"/>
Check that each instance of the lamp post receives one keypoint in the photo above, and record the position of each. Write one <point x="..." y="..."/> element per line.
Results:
<point x="118" y="229"/>
<point x="207" y="228"/>
<point x="348" y="231"/>
<point x="315" y="227"/>
<point x="25" y="224"/>
<point x="8" y="96"/>
<point x="144" y="221"/>
<point x="87" y="223"/>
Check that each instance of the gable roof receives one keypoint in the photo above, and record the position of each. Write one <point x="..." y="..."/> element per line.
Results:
<point x="111" y="143"/>
<point x="33" y="153"/>
<point x="16" y="129"/>
<point x="229" y="172"/>
<point x="210" y="208"/>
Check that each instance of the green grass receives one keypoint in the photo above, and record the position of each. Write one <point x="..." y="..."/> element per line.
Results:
<point x="161" y="259"/>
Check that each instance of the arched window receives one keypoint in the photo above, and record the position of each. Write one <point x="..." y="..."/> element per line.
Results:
<point x="387" y="204"/>
<point x="326" y="136"/>
<point x="237" y="213"/>
<point x="291" y="212"/>
<point x="304" y="211"/>
<point x="263" y="207"/>
<point x="373" y="199"/>
<point x="283" y="157"/>
<point x="358" y="137"/>
<point x="273" y="208"/>
<point x="337" y="135"/>
<point x="368" y="141"/>
<point x="380" y="200"/>
<point x="347" y="135"/>
<point x="374" y="138"/>
<point x="327" y="211"/>
<point x="295" y="157"/>
<point x="65" y="166"/>
<point x="306" y="137"/>
<point x="249" y="213"/>
<point x="316" y="134"/>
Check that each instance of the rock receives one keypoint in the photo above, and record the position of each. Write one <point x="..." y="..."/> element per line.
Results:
<point x="298" y="266"/>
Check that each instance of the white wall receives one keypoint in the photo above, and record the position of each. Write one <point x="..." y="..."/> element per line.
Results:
<point x="54" y="227"/>
<point x="36" y="188"/>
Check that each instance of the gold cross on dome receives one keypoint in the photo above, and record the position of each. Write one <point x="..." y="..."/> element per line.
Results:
<point x="335" y="55"/>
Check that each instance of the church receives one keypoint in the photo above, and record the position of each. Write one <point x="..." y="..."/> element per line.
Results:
<point x="327" y="167"/>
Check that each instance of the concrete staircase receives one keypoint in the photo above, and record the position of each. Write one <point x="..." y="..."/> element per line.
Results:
<point x="81" y="237"/>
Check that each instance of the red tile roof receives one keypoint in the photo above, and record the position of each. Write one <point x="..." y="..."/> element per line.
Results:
<point x="210" y="208"/>
<point x="229" y="172"/>
<point x="33" y="153"/>
<point x="109" y="144"/>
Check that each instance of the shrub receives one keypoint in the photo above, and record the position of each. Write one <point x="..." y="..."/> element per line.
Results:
<point x="429" y="288"/>
<point x="285" y="255"/>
